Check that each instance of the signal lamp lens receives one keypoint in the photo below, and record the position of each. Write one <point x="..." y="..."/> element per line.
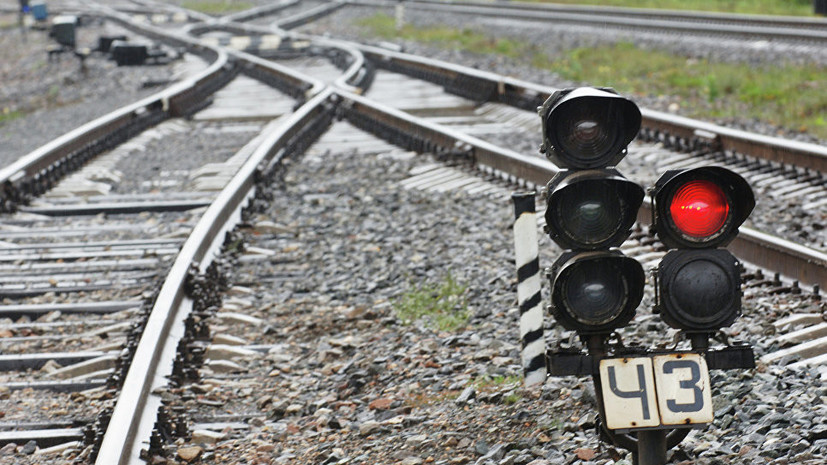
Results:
<point x="584" y="132"/>
<point x="699" y="208"/>
<point x="593" y="295"/>
<point x="700" y="290"/>
<point x="591" y="209"/>
<point x="592" y="216"/>
<point x="595" y="292"/>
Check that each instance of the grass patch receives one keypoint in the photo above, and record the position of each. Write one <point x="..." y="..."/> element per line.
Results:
<point x="791" y="96"/>
<point x="443" y="305"/>
<point x="505" y="384"/>
<point x="766" y="7"/>
<point x="424" y="400"/>
<point x="464" y="39"/>
<point x="488" y="382"/>
<point x="9" y="115"/>
<point x="217" y="7"/>
<point x="788" y="95"/>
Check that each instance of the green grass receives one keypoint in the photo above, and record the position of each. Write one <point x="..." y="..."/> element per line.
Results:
<point x="786" y="95"/>
<point x="9" y="115"/>
<point x="217" y="7"/>
<point x="464" y="39"/>
<point x="444" y="305"/>
<point x="766" y="7"/>
<point x="488" y="381"/>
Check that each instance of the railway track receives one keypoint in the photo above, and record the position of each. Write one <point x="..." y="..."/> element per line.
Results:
<point x="693" y="23"/>
<point x="464" y="145"/>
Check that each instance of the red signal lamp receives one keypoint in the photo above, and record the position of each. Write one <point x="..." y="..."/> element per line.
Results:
<point x="701" y="207"/>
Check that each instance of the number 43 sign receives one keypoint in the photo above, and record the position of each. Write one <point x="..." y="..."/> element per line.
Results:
<point x="658" y="391"/>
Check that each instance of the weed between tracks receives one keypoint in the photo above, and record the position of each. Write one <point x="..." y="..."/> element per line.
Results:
<point x="785" y="95"/>
<point x="444" y="305"/>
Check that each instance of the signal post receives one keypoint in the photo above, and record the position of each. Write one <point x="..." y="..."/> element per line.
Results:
<point x="648" y="399"/>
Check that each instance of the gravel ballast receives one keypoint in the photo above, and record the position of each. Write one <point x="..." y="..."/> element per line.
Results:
<point x="346" y="381"/>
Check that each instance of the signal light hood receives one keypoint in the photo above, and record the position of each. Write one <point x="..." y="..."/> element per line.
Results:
<point x="588" y="127"/>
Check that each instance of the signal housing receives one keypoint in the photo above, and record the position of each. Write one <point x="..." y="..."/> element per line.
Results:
<point x="588" y="127"/>
<point x="737" y="193"/>
<point x="695" y="211"/>
<point x="591" y="208"/>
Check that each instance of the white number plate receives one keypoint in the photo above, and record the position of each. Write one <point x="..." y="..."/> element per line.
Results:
<point x="662" y="390"/>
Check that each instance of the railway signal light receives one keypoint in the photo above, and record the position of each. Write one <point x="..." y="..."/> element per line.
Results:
<point x="695" y="212"/>
<point x="595" y="289"/>
<point x="595" y="292"/>
<point x="701" y="207"/>
<point x="588" y="127"/>
<point x="591" y="208"/>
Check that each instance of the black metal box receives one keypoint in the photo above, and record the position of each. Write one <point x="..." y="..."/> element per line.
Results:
<point x="129" y="53"/>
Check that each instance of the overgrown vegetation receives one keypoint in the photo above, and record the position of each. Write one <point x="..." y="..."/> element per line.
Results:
<point x="787" y="95"/>
<point x="443" y="305"/>
<point x="765" y="7"/>
<point x="784" y="94"/>
<point x="217" y="7"/>
<point x="463" y="39"/>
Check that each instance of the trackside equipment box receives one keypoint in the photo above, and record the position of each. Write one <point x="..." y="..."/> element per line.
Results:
<point x="39" y="11"/>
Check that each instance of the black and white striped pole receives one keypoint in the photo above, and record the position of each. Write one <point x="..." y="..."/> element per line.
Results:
<point x="528" y="288"/>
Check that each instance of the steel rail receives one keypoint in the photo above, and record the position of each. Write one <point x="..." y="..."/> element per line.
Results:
<point x="636" y="22"/>
<point x="136" y="409"/>
<point x="349" y="79"/>
<point x="29" y="171"/>
<point x="496" y="88"/>
<point x="259" y="11"/>
<point x="305" y="17"/>
<point x="795" y="261"/>
<point x="654" y="13"/>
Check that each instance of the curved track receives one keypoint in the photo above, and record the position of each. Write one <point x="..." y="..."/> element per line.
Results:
<point x="134" y="415"/>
